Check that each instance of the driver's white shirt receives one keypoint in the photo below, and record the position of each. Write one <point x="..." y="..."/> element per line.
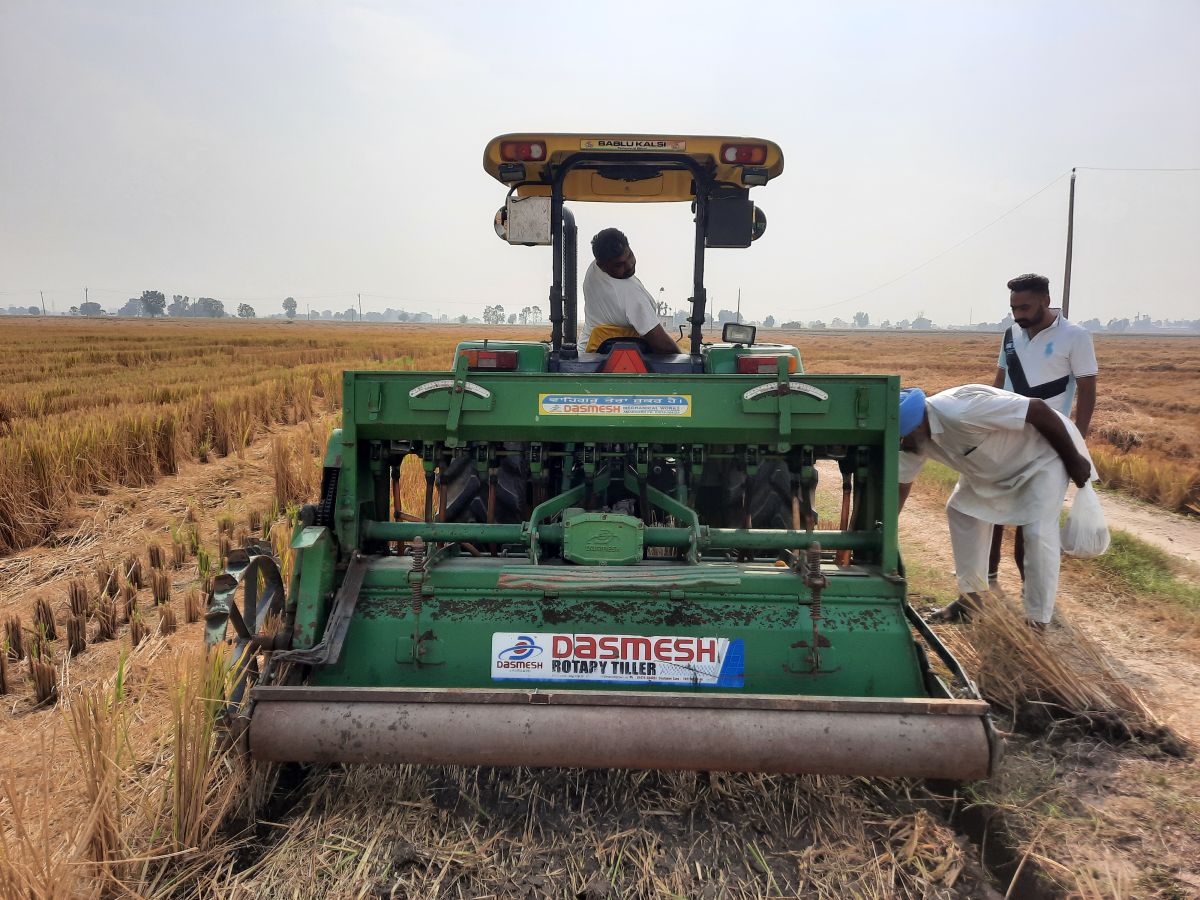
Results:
<point x="615" y="301"/>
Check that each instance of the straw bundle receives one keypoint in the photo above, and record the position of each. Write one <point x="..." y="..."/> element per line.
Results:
<point x="193" y="606"/>
<point x="137" y="629"/>
<point x="14" y="638"/>
<point x="3" y="671"/>
<point x="154" y="553"/>
<point x="43" y="620"/>
<point x="98" y="729"/>
<point x="106" y="619"/>
<point x="179" y="554"/>
<point x="77" y="596"/>
<point x="254" y="520"/>
<point x="166" y="620"/>
<point x="190" y="536"/>
<point x="44" y="676"/>
<point x="160" y="585"/>
<point x="132" y="567"/>
<point x="128" y="601"/>
<point x="106" y="577"/>
<point x="1055" y="680"/>
<point x="76" y="635"/>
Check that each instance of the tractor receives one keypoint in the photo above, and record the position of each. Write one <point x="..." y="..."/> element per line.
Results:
<point x="620" y="560"/>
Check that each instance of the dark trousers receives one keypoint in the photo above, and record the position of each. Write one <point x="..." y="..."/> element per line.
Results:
<point x="1018" y="550"/>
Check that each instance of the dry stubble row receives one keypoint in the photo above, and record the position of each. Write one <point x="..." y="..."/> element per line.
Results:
<point x="90" y="404"/>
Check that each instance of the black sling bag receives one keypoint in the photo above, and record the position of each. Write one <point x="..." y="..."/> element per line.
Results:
<point x="1016" y="374"/>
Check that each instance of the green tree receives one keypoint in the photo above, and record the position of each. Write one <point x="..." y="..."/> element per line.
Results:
<point x="769" y="322"/>
<point x="153" y="303"/>
<point x="90" y="308"/>
<point x="207" y="306"/>
<point x="289" y="307"/>
<point x="245" y="311"/>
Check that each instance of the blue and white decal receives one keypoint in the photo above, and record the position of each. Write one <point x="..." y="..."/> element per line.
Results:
<point x="676" y="405"/>
<point x="619" y="659"/>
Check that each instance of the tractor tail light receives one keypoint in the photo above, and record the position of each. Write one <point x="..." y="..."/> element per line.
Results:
<point x="491" y="359"/>
<point x="762" y="365"/>
<point x="744" y="154"/>
<point x="525" y="151"/>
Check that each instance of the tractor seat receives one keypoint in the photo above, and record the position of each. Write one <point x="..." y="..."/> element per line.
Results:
<point x="628" y="355"/>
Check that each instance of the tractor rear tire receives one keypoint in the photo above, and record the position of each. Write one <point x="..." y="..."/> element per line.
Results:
<point x="769" y="503"/>
<point x="467" y="491"/>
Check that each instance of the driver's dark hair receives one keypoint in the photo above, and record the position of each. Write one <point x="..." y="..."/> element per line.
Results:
<point x="609" y="244"/>
<point x="1038" y="284"/>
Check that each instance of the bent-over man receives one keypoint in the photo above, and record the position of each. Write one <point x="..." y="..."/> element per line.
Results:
<point x="1043" y="355"/>
<point x="1015" y="456"/>
<point x="615" y="304"/>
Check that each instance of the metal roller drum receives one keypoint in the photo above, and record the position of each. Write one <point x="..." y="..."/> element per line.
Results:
<point x="829" y="736"/>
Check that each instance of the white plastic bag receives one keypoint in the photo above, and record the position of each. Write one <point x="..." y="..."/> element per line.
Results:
<point x="1085" y="533"/>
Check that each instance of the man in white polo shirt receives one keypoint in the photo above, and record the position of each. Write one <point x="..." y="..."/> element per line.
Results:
<point x="1043" y="355"/>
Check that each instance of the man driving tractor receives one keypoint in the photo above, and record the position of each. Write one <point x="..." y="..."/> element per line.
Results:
<point x="615" y="303"/>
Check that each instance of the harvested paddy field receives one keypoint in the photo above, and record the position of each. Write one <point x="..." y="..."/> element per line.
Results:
<point x="108" y="786"/>
<point x="1145" y="436"/>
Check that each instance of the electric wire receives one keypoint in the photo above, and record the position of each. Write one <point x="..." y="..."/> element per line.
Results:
<point x="933" y="259"/>
<point x="974" y="234"/>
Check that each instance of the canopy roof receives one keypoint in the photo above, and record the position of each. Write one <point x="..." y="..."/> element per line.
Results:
<point x="621" y="168"/>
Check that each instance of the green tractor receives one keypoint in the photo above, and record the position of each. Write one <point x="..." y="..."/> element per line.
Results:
<point x="619" y="562"/>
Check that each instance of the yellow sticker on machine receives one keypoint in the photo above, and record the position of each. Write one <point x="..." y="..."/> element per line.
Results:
<point x="677" y="405"/>
<point x="633" y="145"/>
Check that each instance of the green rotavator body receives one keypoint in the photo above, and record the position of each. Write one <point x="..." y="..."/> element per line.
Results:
<point x="608" y="570"/>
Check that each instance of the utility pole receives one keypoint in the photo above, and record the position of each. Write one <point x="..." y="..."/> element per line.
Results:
<point x="43" y="297"/>
<point x="739" y="307"/>
<point x="1066" y="301"/>
<point x="360" y="307"/>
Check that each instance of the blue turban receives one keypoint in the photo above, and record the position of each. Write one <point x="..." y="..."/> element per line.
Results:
<point x="912" y="410"/>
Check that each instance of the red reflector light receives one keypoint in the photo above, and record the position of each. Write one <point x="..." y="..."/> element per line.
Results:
<point x="624" y="359"/>
<point x="762" y="365"/>
<point x="523" y="151"/>
<point x="744" y="154"/>
<point x="491" y="359"/>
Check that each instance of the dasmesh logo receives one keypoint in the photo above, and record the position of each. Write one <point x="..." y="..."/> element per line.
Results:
<point x="518" y="655"/>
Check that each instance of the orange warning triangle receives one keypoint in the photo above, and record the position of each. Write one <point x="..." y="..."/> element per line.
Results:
<point x="624" y="360"/>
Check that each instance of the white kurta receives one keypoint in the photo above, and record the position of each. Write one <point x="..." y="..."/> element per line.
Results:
<point x="1009" y="474"/>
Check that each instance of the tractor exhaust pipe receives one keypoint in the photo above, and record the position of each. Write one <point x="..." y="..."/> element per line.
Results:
<point x="919" y="738"/>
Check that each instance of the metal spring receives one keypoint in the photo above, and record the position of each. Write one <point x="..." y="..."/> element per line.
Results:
<point x="417" y="552"/>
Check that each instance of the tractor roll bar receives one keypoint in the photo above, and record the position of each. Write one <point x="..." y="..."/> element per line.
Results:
<point x="558" y="231"/>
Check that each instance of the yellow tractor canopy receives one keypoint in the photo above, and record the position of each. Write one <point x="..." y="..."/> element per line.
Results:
<point x="621" y="166"/>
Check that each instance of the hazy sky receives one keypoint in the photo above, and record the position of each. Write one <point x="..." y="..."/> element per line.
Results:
<point x="248" y="151"/>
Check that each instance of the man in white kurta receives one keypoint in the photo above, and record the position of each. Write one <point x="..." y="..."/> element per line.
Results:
<point x="1015" y="457"/>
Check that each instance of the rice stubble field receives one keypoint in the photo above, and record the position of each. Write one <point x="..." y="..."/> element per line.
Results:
<point x="109" y="786"/>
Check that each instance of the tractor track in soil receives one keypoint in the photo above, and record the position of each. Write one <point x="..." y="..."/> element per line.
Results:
<point x="1159" y="658"/>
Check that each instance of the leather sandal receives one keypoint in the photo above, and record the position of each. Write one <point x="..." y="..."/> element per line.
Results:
<point x="954" y="613"/>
